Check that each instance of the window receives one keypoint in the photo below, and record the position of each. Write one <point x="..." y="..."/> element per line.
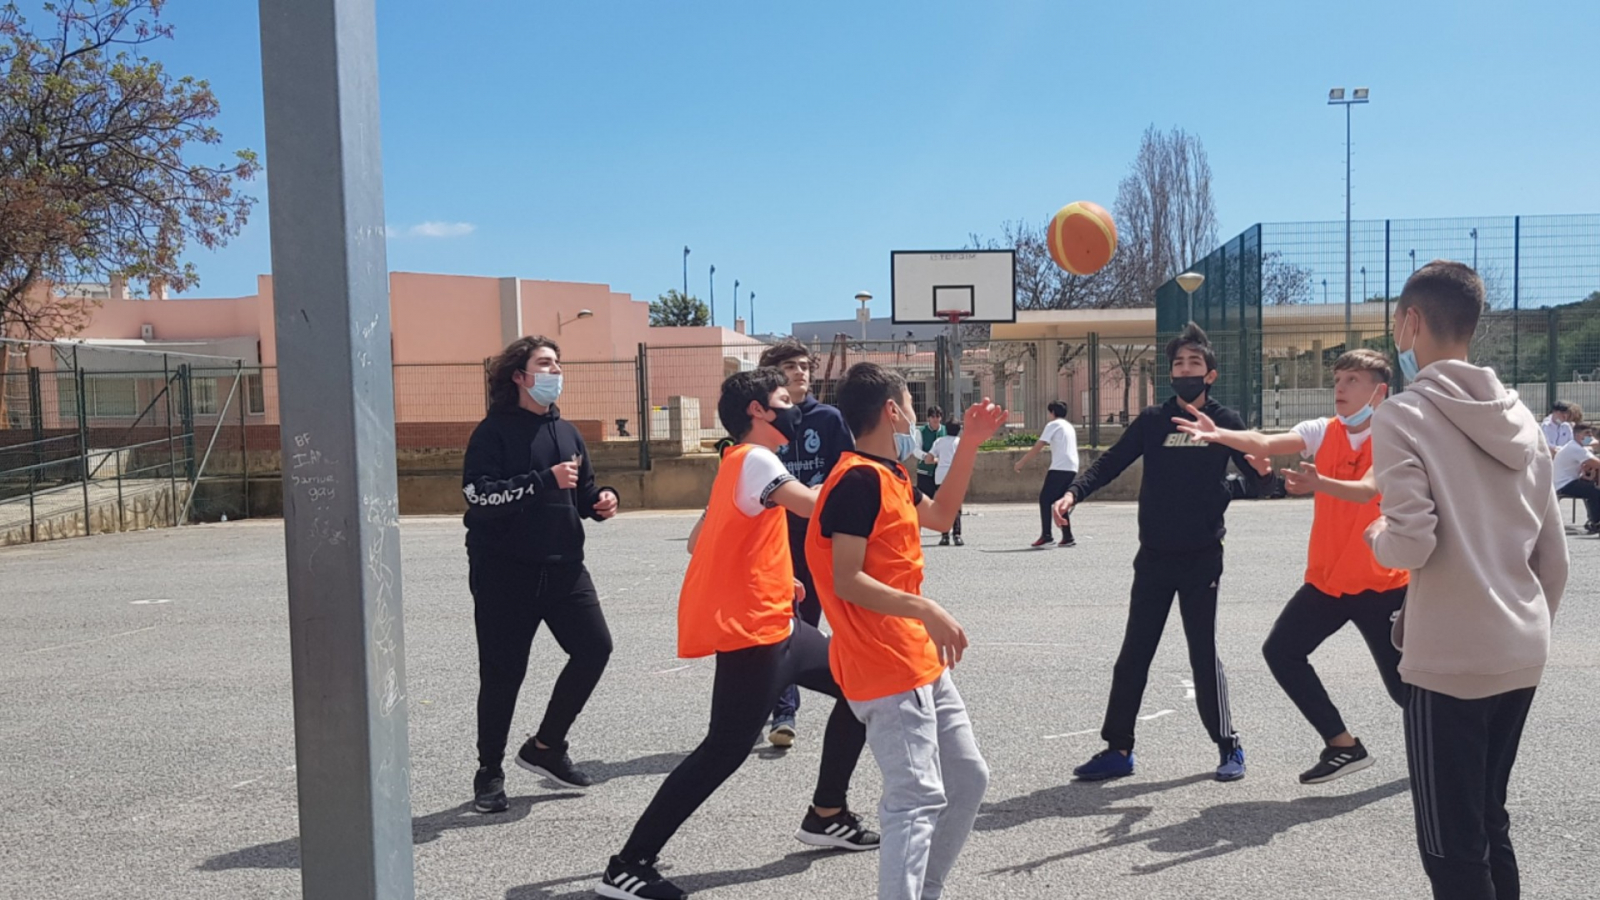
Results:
<point x="106" y="396"/>
<point x="255" y="395"/>
<point x="203" y="396"/>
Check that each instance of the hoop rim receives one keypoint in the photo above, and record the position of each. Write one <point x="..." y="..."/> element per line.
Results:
<point x="953" y="314"/>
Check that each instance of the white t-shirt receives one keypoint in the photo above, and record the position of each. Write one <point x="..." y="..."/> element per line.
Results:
<point x="1313" y="430"/>
<point x="945" y="449"/>
<point x="763" y="473"/>
<point x="1063" y="441"/>
<point x="1569" y="463"/>
<point x="1556" y="434"/>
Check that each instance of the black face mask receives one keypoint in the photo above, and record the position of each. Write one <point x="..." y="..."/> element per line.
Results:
<point x="1189" y="387"/>
<point x="787" y="422"/>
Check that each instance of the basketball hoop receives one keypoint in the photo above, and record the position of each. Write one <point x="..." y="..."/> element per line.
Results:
<point x="954" y="316"/>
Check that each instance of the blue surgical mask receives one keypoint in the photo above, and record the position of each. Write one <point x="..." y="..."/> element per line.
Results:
<point x="906" y="443"/>
<point x="1359" y="417"/>
<point x="546" y="388"/>
<point x="1407" y="358"/>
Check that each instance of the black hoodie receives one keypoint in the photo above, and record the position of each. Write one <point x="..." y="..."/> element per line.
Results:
<point x="1184" y="492"/>
<point x="514" y="509"/>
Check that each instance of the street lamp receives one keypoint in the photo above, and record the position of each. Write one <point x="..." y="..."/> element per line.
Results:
<point x="1364" y="295"/>
<point x="582" y="314"/>
<point x="1474" y="233"/>
<point x="736" y="303"/>
<point x="1190" y="282"/>
<point x="686" y="273"/>
<point x="752" y="312"/>
<point x="1413" y="262"/>
<point x="1325" y="300"/>
<point x="863" y="315"/>
<point x="713" y="296"/>
<point x="1336" y="98"/>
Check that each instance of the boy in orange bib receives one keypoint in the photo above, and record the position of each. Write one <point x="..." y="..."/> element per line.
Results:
<point x="891" y="646"/>
<point x="1344" y="583"/>
<point x="738" y="603"/>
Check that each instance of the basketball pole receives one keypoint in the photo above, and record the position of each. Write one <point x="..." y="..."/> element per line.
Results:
<point x="319" y="65"/>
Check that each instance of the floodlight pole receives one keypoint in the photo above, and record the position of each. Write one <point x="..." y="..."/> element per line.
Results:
<point x="1336" y="98"/>
<point x="341" y="517"/>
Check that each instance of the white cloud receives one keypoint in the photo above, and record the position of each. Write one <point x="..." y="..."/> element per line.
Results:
<point x="438" y="230"/>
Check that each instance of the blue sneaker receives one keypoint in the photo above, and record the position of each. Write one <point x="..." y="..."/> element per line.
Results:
<point x="1104" y="765"/>
<point x="1232" y="768"/>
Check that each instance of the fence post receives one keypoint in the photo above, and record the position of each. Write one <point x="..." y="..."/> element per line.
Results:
<point x="1552" y="332"/>
<point x="172" y="453"/>
<point x="1516" y="301"/>
<point x="1094" y="389"/>
<point x="641" y="370"/>
<point x="941" y="374"/>
<point x="186" y="416"/>
<point x="36" y="423"/>
<point x="244" y="435"/>
<point x="83" y="435"/>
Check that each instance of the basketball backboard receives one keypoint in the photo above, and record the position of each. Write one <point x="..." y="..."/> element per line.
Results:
<point x="925" y="283"/>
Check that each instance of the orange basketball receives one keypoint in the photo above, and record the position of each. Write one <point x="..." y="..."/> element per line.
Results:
<point x="1082" y="237"/>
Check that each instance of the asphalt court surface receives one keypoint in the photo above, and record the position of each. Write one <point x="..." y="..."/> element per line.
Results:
<point x="147" y="748"/>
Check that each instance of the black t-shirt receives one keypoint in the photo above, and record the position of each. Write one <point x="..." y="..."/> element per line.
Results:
<point x="854" y="503"/>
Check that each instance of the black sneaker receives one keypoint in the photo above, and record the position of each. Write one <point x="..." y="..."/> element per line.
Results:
<point x="1337" y="762"/>
<point x="626" y="881"/>
<point x="489" y="790"/>
<point x="944" y="540"/>
<point x="1067" y="542"/>
<point x="842" y="831"/>
<point x="553" y="764"/>
<point x="959" y="541"/>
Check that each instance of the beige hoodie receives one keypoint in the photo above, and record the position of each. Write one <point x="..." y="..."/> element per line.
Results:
<point x="1469" y="508"/>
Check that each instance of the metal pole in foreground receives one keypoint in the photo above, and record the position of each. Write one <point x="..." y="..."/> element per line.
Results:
<point x="340" y="508"/>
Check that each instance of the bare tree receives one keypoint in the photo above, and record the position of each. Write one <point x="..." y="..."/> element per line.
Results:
<point x="1126" y="358"/>
<point x="1041" y="284"/>
<point x="1165" y="214"/>
<point x="1283" y="283"/>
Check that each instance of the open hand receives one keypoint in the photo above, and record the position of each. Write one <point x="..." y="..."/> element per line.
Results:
<point x="1303" y="482"/>
<point x="982" y="420"/>
<point x="1201" y="428"/>
<point x="606" y="506"/>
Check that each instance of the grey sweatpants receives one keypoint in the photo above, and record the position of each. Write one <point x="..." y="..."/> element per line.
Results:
<point x="933" y="781"/>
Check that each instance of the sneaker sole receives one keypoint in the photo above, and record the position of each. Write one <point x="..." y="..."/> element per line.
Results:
<point x="823" y="840"/>
<point x="612" y="893"/>
<point x="781" y="737"/>
<point x="541" y="770"/>
<point x="1229" y="778"/>
<point x="498" y="806"/>
<point x="1342" y="771"/>
<point x="1099" y="777"/>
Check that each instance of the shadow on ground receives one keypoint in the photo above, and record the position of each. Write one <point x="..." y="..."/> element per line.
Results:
<point x="792" y="864"/>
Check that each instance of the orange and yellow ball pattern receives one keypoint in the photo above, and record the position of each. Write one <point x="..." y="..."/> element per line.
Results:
<point x="1082" y="237"/>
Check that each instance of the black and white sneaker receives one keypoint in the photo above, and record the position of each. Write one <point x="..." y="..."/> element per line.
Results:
<point x="842" y="831"/>
<point x="553" y="763"/>
<point x="1337" y="762"/>
<point x="489" y="790"/>
<point x="626" y="881"/>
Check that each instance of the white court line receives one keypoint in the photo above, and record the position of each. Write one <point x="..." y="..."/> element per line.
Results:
<point x="1188" y="689"/>
<point x="673" y="669"/>
<point x="241" y="784"/>
<point x="90" y="641"/>
<point x="1051" y="737"/>
<point x="1157" y="714"/>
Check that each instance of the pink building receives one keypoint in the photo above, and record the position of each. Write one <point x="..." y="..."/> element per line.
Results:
<point x="443" y="328"/>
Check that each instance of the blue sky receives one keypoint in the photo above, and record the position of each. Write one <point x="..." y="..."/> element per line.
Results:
<point x="795" y="145"/>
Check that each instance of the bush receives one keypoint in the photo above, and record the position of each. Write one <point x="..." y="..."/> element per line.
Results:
<point x="1010" y="441"/>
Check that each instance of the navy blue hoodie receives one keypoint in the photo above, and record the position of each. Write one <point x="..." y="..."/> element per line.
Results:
<point x="822" y="439"/>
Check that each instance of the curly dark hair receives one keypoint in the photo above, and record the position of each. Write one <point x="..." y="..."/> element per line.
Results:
<point x="738" y="389"/>
<point x="503" y="392"/>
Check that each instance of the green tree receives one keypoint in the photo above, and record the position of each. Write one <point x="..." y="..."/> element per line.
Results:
<point x="96" y="179"/>
<point x="673" y="309"/>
